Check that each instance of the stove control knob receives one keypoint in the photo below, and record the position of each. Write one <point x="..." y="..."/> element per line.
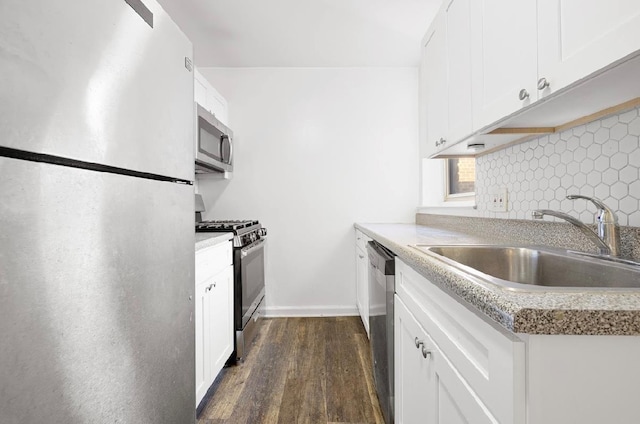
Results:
<point x="262" y="232"/>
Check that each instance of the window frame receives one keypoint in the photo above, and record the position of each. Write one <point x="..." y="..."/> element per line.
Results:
<point x="456" y="197"/>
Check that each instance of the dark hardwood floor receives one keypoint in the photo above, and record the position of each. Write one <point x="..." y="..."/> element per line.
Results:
<point x="300" y="370"/>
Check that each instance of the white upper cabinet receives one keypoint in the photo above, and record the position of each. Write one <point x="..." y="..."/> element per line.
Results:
<point x="209" y="98"/>
<point x="579" y="37"/>
<point x="446" y="78"/>
<point x="504" y="50"/>
<point x="459" y="69"/>
<point x="434" y="61"/>
<point x="523" y="65"/>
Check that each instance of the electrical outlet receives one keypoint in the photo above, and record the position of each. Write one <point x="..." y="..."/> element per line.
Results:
<point x="498" y="200"/>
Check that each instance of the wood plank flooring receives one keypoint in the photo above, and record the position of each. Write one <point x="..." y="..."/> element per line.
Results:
<point x="300" y="370"/>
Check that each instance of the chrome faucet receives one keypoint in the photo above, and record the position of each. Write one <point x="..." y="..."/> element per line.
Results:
<point x="607" y="238"/>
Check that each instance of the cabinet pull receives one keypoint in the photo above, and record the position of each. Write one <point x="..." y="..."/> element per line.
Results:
<point x="523" y="94"/>
<point x="418" y="343"/>
<point x="543" y="83"/>
<point x="360" y="256"/>
<point x="425" y="352"/>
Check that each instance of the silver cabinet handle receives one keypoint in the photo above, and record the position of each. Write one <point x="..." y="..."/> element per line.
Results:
<point x="542" y="84"/>
<point x="418" y="343"/>
<point x="440" y="142"/>
<point x="523" y="94"/>
<point x="425" y="352"/>
<point x="437" y="143"/>
<point x="361" y="256"/>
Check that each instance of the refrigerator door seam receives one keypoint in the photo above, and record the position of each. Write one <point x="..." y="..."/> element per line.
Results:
<point x="91" y="166"/>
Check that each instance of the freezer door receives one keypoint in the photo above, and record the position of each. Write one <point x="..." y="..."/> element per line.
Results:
<point x="96" y="289"/>
<point x="92" y="81"/>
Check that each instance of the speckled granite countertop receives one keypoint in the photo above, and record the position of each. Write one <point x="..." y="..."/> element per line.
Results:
<point x="539" y="312"/>
<point x="204" y="240"/>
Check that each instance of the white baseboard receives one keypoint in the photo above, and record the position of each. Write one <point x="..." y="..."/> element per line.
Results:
<point x="310" y="311"/>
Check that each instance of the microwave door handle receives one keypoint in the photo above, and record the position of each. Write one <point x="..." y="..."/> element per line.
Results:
<point x="224" y="137"/>
<point x="230" y="150"/>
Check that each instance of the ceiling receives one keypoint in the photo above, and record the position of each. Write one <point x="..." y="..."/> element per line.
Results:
<point x="304" y="33"/>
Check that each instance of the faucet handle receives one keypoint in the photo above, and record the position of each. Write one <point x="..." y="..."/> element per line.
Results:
<point x="605" y="214"/>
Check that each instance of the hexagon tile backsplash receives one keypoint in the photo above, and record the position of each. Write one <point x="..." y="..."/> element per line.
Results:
<point x="600" y="159"/>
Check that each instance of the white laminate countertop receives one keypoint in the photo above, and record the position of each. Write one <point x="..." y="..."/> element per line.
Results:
<point x="529" y="312"/>
<point x="204" y="240"/>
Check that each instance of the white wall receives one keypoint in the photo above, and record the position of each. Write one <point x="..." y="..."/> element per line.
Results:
<point x="317" y="149"/>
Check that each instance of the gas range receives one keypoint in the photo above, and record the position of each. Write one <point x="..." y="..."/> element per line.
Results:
<point x="245" y="232"/>
<point x="248" y="275"/>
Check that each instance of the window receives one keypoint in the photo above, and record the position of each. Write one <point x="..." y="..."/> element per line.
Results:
<point x="460" y="178"/>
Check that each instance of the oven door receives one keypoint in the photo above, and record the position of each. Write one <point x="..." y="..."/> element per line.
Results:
<point x="251" y="278"/>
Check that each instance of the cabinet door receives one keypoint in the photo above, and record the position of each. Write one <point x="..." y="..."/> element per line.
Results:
<point x="218" y="105"/>
<point x="579" y="37"/>
<point x="456" y="403"/>
<point x="458" y="70"/>
<point x="200" y="89"/>
<point x="362" y="286"/>
<point x="504" y="49"/>
<point x="434" y="75"/>
<point x="203" y="340"/>
<point x="429" y="389"/>
<point x="221" y="320"/>
<point x="414" y="376"/>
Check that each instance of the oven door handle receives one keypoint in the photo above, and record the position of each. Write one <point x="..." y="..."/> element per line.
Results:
<point x="246" y="251"/>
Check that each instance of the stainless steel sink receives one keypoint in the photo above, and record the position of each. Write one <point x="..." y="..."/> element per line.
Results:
<point x="534" y="268"/>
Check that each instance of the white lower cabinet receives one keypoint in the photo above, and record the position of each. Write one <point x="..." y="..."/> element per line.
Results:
<point x="451" y="366"/>
<point x="213" y="315"/>
<point x="429" y="388"/>
<point x="414" y="377"/>
<point x="362" y="278"/>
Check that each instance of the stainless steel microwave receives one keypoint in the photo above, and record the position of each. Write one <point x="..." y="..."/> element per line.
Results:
<point x="214" y="144"/>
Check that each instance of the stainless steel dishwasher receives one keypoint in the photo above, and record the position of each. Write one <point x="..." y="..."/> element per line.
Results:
<point x="382" y="287"/>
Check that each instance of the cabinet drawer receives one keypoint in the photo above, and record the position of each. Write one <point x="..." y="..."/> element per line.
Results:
<point x="212" y="260"/>
<point x="490" y="360"/>
<point x="362" y="240"/>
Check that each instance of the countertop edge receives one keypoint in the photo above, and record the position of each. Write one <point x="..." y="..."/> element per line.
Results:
<point x="502" y="307"/>
<point x="204" y="240"/>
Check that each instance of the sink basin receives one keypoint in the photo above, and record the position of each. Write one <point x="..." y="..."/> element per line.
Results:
<point x="533" y="268"/>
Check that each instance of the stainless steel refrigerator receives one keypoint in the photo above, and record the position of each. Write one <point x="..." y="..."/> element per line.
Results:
<point x="96" y="214"/>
